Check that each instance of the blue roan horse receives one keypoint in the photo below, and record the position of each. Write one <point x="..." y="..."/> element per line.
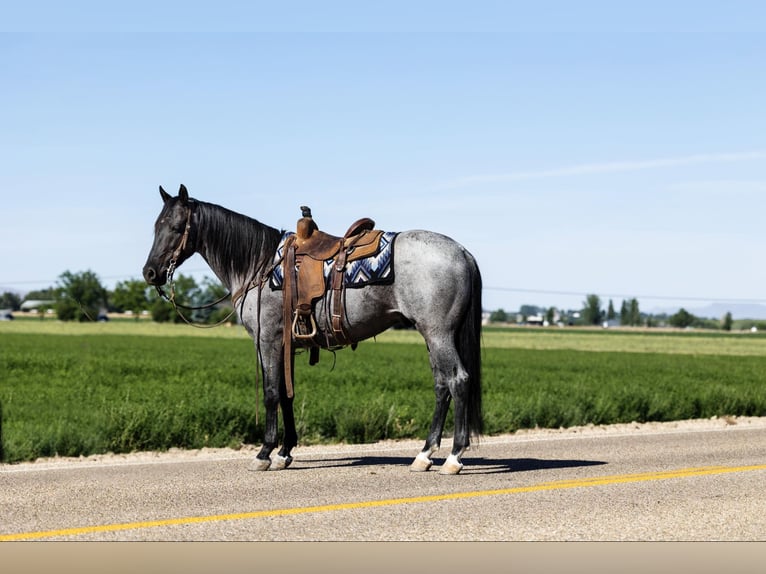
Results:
<point x="436" y="288"/>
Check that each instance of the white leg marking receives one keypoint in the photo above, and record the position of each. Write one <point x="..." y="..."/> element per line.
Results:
<point x="452" y="465"/>
<point x="280" y="462"/>
<point x="259" y="465"/>
<point x="422" y="462"/>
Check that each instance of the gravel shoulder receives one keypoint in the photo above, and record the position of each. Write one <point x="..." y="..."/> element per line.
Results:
<point x="523" y="435"/>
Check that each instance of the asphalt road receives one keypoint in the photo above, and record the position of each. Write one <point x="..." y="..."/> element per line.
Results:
<point x="689" y="481"/>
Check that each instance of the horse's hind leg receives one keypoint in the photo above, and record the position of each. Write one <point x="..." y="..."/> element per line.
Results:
<point x="450" y="382"/>
<point x="423" y="461"/>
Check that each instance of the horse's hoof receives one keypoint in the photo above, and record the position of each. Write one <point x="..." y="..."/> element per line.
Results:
<point x="280" y="462"/>
<point x="421" y="463"/>
<point x="259" y="464"/>
<point x="451" y="466"/>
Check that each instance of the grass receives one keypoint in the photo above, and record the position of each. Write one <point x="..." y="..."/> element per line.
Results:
<point x="72" y="395"/>
<point x="78" y="389"/>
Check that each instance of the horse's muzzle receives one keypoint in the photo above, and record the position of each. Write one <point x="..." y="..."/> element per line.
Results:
<point x="152" y="277"/>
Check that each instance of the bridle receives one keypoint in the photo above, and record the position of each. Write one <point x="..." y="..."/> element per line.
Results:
<point x="171" y="270"/>
<point x="259" y="281"/>
<point x="174" y="258"/>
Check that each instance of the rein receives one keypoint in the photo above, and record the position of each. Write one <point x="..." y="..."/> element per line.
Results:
<point x="178" y="306"/>
<point x="172" y="298"/>
<point x="239" y="295"/>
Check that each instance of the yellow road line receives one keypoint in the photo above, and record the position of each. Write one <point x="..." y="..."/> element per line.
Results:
<point x="558" y="485"/>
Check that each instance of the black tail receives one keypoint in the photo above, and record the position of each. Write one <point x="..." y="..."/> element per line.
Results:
<point x="469" y="348"/>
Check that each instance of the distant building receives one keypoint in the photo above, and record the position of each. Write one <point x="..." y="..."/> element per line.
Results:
<point x="32" y="304"/>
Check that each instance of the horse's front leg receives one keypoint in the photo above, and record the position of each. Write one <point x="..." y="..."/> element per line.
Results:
<point x="262" y="460"/>
<point x="283" y="459"/>
<point x="274" y="397"/>
<point x="272" y="369"/>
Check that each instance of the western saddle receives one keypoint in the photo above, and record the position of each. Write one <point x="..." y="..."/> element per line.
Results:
<point x="305" y="255"/>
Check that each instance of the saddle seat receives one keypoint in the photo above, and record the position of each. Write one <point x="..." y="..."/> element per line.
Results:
<point x="309" y="240"/>
<point x="305" y="255"/>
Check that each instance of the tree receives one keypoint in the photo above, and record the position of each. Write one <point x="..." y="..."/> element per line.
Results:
<point x="727" y="322"/>
<point x="185" y="292"/>
<point x="550" y="315"/>
<point x="630" y="315"/>
<point x="162" y="311"/>
<point x="79" y="296"/>
<point x="10" y="300"/>
<point x="682" y="319"/>
<point x="210" y="292"/>
<point x="499" y="316"/>
<point x="49" y="293"/>
<point x="592" y="313"/>
<point x="212" y="289"/>
<point x="188" y="293"/>
<point x="131" y="296"/>
<point x="610" y="314"/>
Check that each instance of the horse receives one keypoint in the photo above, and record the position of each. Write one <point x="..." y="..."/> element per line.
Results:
<point x="436" y="289"/>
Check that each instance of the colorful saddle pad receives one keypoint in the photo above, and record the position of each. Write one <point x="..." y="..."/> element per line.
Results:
<point x="376" y="269"/>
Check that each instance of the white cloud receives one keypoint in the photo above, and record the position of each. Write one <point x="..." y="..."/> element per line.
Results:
<point x="721" y="187"/>
<point x="609" y="167"/>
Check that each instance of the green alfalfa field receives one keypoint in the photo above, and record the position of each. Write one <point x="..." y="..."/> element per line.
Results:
<point x="80" y="389"/>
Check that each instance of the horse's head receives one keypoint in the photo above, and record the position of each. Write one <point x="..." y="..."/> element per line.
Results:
<point x="174" y="236"/>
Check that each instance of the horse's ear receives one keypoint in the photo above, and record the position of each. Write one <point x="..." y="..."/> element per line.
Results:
<point x="165" y="195"/>
<point x="183" y="195"/>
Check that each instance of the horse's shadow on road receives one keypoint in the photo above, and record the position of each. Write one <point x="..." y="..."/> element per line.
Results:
<point x="473" y="465"/>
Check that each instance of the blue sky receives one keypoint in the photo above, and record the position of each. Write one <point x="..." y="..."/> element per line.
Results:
<point x="574" y="148"/>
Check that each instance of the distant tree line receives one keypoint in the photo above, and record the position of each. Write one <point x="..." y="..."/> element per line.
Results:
<point x="82" y="297"/>
<point x="593" y="312"/>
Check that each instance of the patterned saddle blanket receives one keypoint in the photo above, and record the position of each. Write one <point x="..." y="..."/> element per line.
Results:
<point x="376" y="269"/>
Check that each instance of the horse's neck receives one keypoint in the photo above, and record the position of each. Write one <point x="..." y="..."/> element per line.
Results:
<point x="236" y="247"/>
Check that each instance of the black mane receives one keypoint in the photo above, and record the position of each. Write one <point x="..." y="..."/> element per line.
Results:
<point x="232" y="243"/>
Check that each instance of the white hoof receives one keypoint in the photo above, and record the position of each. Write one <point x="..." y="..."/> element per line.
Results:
<point x="259" y="465"/>
<point x="421" y="463"/>
<point x="280" y="462"/>
<point x="451" y="466"/>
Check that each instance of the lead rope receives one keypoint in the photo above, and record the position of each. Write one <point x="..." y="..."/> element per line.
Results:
<point x="259" y="361"/>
